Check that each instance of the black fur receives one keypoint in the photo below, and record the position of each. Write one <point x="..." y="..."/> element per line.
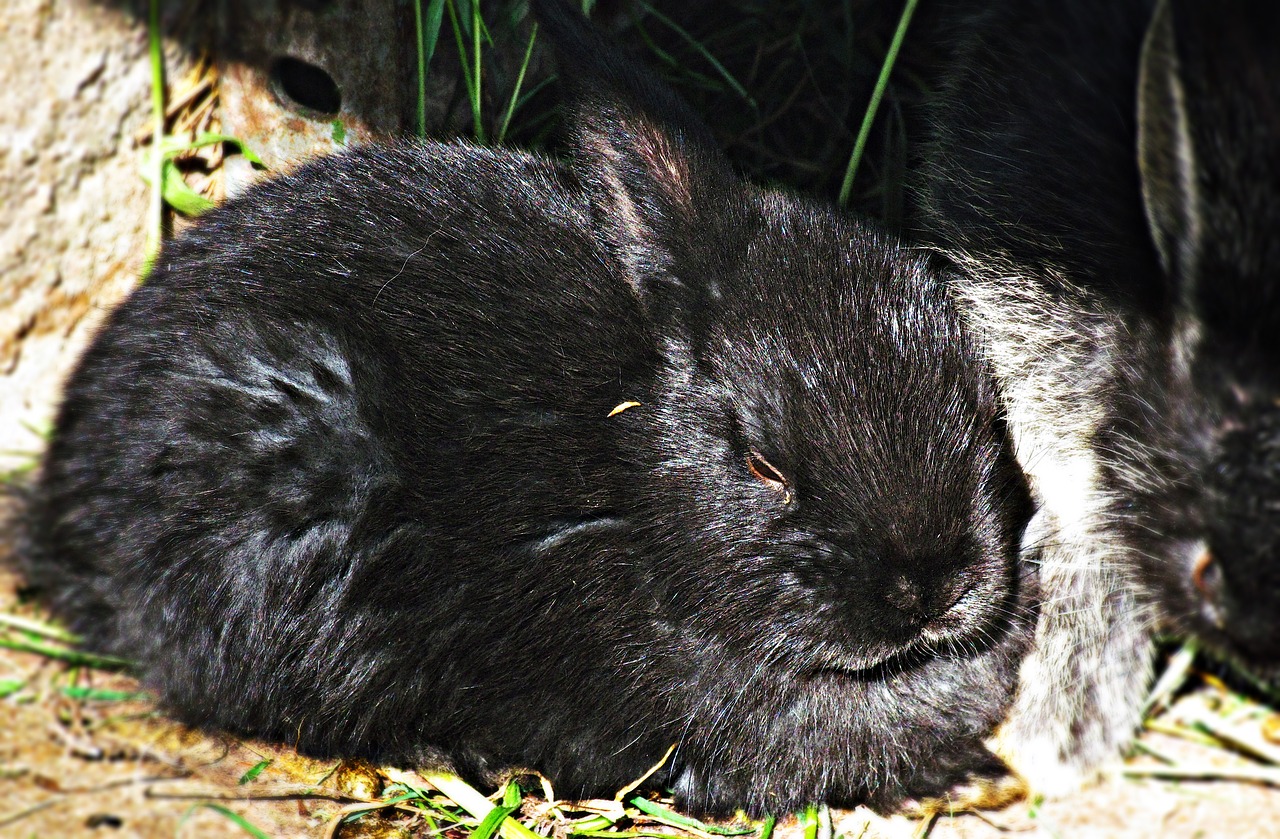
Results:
<point x="1154" y="318"/>
<point x="343" y="473"/>
<point x="1221" y="256"/>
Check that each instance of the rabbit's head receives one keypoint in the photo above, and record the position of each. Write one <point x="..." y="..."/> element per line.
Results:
<point x="824" y="463"/>
<point x="1209" y="145"/>
<point x="835" y="457"/>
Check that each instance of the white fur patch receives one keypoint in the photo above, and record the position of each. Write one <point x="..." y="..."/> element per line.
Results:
<point x="1080" y="694"/>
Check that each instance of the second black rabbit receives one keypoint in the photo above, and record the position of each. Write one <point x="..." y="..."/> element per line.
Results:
<point x="1107" y="176"/>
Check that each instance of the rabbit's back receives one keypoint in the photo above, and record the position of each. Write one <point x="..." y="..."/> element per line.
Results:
<point x="281" y="453"/>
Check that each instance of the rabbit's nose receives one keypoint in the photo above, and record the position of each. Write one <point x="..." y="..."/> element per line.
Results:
<point x="921" y="603"/>
<point x="903" y="593"/>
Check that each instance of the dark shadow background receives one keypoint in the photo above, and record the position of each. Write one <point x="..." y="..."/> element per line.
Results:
<point x="807" y="68"/>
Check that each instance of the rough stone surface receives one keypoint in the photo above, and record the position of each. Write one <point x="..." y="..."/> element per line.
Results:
<point x="358" y="46"/>
<point x="74" y="89"/>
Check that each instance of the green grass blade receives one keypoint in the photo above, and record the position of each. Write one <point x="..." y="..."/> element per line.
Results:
<point x="515" y="93"/>
<point x="464" y="59"/>
<point x="254" y="771"/>
<point x="595" y="824"/>
<point x="511" y="799"/>
<point x="155" y="221"/>
<point x="491" y="822"/>
<point x="469" y="799"/>
<point x="428" y="36"/>
<point x="705" y="53"/>
<point x="886" y="68"/>
<point x="532" y="92"/>
<point x="419" y="33"/>
<point x="809" y="822"/>
<point x="40" y="628"/>
<point x="512" y="795"/>
<point x="208" y="138"/>
<point x="463" y="8"/>
<point x="73" y="657"/>
<point x="231" y="815"/>
<point x="178" y="195"/>
<point x="661" y="814"/>
<point x="171" y="146"/>
<point x="101" y="695"/>
<point x="431" y="31"/>
<point x="477" y="27"/>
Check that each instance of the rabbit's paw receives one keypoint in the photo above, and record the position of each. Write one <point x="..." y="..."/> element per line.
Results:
<point x="978" y="781"/>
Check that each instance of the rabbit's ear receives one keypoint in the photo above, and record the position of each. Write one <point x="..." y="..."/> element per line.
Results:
<point x="1209" y="148"/>
<point x="658" y="184"/>
<point x="1165" y="153"/>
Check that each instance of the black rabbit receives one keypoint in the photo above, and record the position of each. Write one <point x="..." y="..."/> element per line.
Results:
<point x="1209" y="145"/>
<point x="457" y="456"/>
<point x="1134" y="322"/>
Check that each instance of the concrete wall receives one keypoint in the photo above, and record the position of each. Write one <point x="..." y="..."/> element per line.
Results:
<point x="74" y="90"/>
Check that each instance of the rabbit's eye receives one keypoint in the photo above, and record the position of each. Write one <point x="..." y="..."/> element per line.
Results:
<point x="766" y="474"/>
